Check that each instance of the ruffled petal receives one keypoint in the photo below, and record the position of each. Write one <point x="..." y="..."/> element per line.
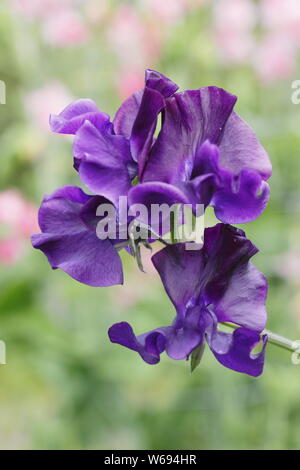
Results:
<point x="190" y="117"/>
<point x="240" y="149"/>
<point x="149" y="345"/>
<point x="185" y="335"/>
<point x="181" y="273"/>
<point x="159" y="82"/>
<point x="72" y="246"/>
<point x="105" y="161"/>
<point x="236" y="198"/>
<point x="74" y="115"/>
<point x="225" y="249"/>
<point x="126" y="115"/>
<point x="83" y="256"/>
<point x="242" y="198"/>
<point x="155" y="195"/>
<point x="233" y="350"/>
<point x="59" y="211"/>
<point x="144" y="126"/>
<point x="243" y="302"/>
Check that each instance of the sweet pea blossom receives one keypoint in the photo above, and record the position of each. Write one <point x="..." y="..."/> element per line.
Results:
<point x="65" y="28"/>
<point x="205" y="153"/>
<point x="67" y="219"/>
<point x="215" y="284"/>
<point x="105" y="158"/>
<point x="105" y="152"/>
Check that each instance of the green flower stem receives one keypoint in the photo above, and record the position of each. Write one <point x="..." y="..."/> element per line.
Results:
<point x="273" y="338"/>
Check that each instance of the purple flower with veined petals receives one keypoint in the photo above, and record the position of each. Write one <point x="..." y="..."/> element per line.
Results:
<point x="105" y="155"/>
<point x="108" y="155"/>
<point x="209" y="154"/>
<point x="204" y="154"/>
<point x="215" y="284"/>
<point x="69" y="240"/>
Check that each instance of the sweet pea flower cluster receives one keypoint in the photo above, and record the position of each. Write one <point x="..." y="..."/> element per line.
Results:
<point x="173" y="148"/>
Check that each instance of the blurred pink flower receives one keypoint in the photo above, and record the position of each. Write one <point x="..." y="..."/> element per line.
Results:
<point x="65" y="28"/>
<point x="237" y="15"/>
<point x="11" y="250"/>
<point x="234" y="47"/>
<point x="275" y="58"/>
<point x="195" y="3"/>
<point x="34" y="9"/>
<point x="61" y="22"/>
<point x="96" y="10"/>
<point x="136" y="42"/>
<point x="282" y="16"/>
<point x="18" y="219"/>
<point x="126" y="36"/>
<point x="39" y="103"/>
<point x="166" y="11"/>
<point x="287" y="265"/>
<point x="233" y="23"/>
<point x="131" y="81"/>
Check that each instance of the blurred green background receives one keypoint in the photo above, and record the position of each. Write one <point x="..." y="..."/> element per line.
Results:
<point x="65" y="386"/>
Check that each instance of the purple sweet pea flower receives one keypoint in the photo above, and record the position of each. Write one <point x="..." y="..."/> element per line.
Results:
<point x="215" y="284"/>
<point x="67" y="219"/>
<point x="209" y="153"/>
<point x="109" y="155"/>
<point x="205" y="153"/>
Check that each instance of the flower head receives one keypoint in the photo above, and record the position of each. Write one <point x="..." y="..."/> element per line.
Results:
<point x="215" y="284"/>
<point x="204" y="154"/>
<point x="68" y="238"/>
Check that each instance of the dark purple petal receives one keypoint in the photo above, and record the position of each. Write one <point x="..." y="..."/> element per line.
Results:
<point x="83" y="256"/>
<point x="236" y="198"/>
<point x="105" y="161"/>
<point x="72" y="246"/>
<point x="149" y="345"/>
<point x="226" y="249"/>
<point x="126" y="115"/>
<point x="156" y="193"/>
<point x="137" y="117"/>
<point x="109" y="150"/>
<point x="240" y="149"/>
<point x="219" y="275"/>
<point x="234" y="350"/>
<point x="206" y="160"/>
<point x="243" y="302"/>
<point x="242" y="198"/>
<point x="88" y="212"/>
<point x="185" y="335"/>
<point x="159" y="194"/>
<point x="190" y="118"/>
<point x="59" y="211"/>
<point x="144" y="126"/>
<point x="181" y="274"/>
<point x="74" y="116"/>
<point x="103" y="180"/>
<point x="159" y="82"/>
